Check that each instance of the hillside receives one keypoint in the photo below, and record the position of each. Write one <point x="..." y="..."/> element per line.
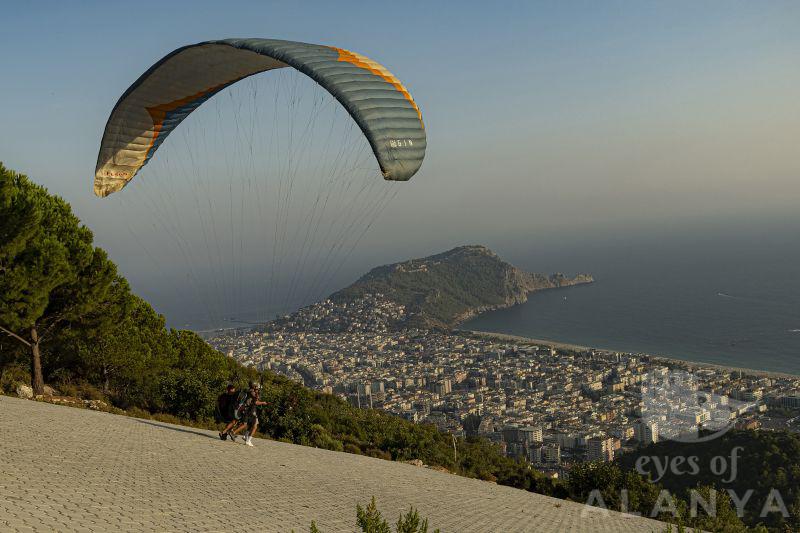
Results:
<point x="104" y="345"/>
<point x="55" y="464"/>
<point x="445" y="289"/>
<point x="116" y="349"/>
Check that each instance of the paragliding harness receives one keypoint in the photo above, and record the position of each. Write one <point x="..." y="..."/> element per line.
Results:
<point x="240" y="413"/>
<point x="247" y="410"/>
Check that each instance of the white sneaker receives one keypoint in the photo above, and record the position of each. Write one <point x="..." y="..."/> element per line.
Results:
<point x="249" y="441"/>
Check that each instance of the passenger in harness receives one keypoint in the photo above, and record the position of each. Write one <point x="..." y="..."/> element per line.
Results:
<point x="247" y="413"/>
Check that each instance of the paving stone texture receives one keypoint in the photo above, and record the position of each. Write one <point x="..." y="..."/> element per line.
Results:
<point x="67" y="469"/>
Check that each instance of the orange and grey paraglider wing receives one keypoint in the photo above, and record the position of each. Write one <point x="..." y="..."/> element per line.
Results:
<point x="180" y="82"/>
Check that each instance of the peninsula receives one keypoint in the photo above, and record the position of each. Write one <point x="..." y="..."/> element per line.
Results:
<point x="438" y="291"/>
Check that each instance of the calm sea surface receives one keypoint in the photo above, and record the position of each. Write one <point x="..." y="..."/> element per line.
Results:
<point x="728" y="296"/>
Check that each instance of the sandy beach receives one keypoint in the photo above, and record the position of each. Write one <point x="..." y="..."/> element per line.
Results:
<point x="658" y="358"/>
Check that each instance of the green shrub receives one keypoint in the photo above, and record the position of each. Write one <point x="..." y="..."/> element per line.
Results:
<point x="352" y="448"/>
<point x="82" y="390"/>
<point x="13" y="375"/>
<point x="370" y="520"/>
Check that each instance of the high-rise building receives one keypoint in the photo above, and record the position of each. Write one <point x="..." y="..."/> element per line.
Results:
<point x="545" y="454"/>
<point x="646" y="431"/>
<point x="551" y="453"/>
<point x="600" y="449"/>
<point x="442" y="387"/>
<point x="511" y="433"/>
<point x="530" y="434"/>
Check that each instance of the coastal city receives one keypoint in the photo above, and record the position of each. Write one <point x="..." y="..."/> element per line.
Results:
<point x="550" y="406"/>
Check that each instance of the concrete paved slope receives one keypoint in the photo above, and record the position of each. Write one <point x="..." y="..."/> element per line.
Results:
<point x="65" y="469"/>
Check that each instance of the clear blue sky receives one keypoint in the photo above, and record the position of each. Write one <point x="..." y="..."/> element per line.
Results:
<point x="544" y="118"/>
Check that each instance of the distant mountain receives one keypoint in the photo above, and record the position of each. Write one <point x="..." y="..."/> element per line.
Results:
<point x="446" y="289"/>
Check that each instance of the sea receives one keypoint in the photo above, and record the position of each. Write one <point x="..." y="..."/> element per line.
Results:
<point x="726" y="293"/>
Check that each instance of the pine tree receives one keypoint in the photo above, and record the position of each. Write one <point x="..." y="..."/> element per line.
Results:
<point x="51" y="276"/>
<point x="370" y="519"/>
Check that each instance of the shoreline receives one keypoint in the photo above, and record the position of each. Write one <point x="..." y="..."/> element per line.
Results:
<point x="658" y="358"/>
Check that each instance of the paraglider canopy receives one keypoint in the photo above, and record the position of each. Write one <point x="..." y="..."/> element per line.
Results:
<point x="180" y="82"/>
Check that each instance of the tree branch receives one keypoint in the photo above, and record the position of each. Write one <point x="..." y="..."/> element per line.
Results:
<point x="57" y="319"/>
<point x="12" y="334"/>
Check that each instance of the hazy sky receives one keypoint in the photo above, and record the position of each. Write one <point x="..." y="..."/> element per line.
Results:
<point x="544" y="119"/>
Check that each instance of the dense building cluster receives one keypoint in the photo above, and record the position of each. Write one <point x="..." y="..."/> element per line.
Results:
<point x="550" y="406"/>
<point x="369" y="313"/>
